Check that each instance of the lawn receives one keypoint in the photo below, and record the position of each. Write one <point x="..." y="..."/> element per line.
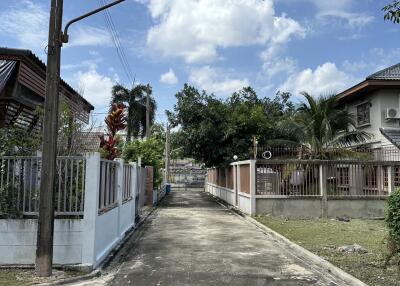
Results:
<point x="9" y="278"/>
<point x="23" y="277"/>
<point x="323" y="237"/>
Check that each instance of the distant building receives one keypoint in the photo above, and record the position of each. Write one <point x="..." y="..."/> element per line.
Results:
<point x="376" y="104"/>
<point x="22" y="90"/>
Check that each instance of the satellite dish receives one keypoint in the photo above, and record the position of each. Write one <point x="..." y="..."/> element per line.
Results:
<point x="267" y="155"/>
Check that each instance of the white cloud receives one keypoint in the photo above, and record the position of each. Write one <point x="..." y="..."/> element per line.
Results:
<point x="325" y="79"/>
<point x="169" y="77"/>
<point x="341" y="9"/>
<point x="196" y="29"/>
<point x="278" y="65"/>
<point x="89" y="36"/>
<point x="96" y="87"/>
<point x="27" y="23"/>
<point x="213" y="81"/>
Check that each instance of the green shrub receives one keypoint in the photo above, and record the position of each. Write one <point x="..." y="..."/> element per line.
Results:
<point x="151" y="152"/>
<point x="392" y="220"/>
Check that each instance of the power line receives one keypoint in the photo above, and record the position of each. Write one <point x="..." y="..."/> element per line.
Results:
<point x="117" y="43"/>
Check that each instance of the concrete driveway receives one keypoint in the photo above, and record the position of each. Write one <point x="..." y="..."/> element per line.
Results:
<point x="192" y="240"/>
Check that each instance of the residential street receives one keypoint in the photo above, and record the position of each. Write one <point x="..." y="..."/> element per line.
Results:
<point x="192" y="240"/>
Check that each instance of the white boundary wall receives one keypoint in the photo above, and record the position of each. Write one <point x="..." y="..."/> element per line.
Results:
<point x="244" y="202"/>
<point x="84" y="241"/>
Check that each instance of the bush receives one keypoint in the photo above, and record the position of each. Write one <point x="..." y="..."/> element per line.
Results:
<point x="392" y="220"/>
<point x="151" y="153"/>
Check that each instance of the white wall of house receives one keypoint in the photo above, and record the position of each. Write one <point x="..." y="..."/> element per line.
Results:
<point x="380" y="100"/>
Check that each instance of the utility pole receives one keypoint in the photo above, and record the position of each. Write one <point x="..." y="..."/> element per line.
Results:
<point x="45" y="232"/>
<point x="44" y="244"/>
<point x="148" y="111"/>
<point x="167" y="154"/>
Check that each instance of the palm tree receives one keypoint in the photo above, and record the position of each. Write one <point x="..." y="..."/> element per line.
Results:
<point x="135" y="100"/>
<point x="319" y="126"/>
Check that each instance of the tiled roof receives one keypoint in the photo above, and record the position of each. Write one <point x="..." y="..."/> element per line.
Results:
<point x="390" y="73"/>
<point x="392" y="134"/>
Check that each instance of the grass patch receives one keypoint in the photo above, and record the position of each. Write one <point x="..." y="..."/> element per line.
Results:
<point x="9" y="278"/>
<point x="323" y="237"/>
<point x="24" y="277"/>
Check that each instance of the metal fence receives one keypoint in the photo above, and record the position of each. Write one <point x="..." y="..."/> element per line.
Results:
<point x="311" y="178"/>
<point x="345" y="178"/>
<point x="108" y="185"/>
<point x="287" y="179"/>
<point x="386" y="153"/>
<point x="20" y="183"/>
<point x="127" y="188"/>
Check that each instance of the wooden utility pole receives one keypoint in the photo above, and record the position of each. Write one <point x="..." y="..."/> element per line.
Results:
<point x="44" y="244"/>
<point x="148" y="112"/>
<point x="167" y="154"/>
<point x="45" y="233"/>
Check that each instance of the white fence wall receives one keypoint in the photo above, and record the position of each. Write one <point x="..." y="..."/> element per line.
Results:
<point x="88" y="240"/>
<point x="18" y="241"/>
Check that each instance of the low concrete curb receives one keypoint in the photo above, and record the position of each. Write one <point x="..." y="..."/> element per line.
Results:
<point x="329" y="267"/>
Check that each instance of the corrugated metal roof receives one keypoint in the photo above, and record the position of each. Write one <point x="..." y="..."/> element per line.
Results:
<point x="392" y="134"/>
<point x="29" y="54"/>
<point x="390" y="73"/>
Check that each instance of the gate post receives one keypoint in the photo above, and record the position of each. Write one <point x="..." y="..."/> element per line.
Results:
<point x="323" y="190"/>
<point x="253" y="178"/>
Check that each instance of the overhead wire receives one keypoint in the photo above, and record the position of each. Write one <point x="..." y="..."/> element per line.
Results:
<point x="117" y="43"/>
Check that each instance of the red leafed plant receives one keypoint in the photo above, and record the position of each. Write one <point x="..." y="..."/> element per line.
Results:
<point x="115" y="121"/>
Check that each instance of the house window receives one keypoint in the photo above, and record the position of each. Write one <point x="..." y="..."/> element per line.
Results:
<point x="363" y="113"/>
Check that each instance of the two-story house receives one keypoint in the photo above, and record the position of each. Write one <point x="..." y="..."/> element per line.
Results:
<point x="376" y="104"/>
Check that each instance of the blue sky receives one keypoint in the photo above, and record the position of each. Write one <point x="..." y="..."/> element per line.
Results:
<point x="318" y="46"/>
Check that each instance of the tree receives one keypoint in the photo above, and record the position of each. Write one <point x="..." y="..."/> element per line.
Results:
<point x="151" y="152"/>
<point x="392" y="12"/>
<point x="135" y="100"/>
<point x="212" y="130"/>
<point x="319" y="126"/>
<point x="115" y="122"/>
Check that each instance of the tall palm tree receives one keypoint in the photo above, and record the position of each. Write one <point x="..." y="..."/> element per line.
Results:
<point x="319" y="126"/>
<point x="135" y="101"/>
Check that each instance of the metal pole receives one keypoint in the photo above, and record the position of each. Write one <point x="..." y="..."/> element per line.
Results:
<point x="65" y="37"/>
<point x="167" y="155"/>
<point x="44" y="245"/>
<point x="148" y="112"/>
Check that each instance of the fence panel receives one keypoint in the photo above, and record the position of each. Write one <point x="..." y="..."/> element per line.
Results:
<point x="244" y="178"/>
<point x="362" y="179"/>
<point x="127" y="187"/>
<point x="108" y="185"/>
<point x="20" y="185"/>
<point x="293" y="179"/>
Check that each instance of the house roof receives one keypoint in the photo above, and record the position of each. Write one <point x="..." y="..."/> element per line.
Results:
<point x="391" y="134"/>
<point x="390" y="73"/>
<point x="388" y="78"/>
<point x="30" y="57"/>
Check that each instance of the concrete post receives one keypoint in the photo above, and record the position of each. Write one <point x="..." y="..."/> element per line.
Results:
<point x="135" y="191"/>
<point x="391" y="187"/>
<point x="323" y="191"/>
<point x="235" y="184"/>
<point x="120" y="191"/>
<point x="379" y="179"/>
<point x="91" y="207"/>
<point x="253" y="170"/>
